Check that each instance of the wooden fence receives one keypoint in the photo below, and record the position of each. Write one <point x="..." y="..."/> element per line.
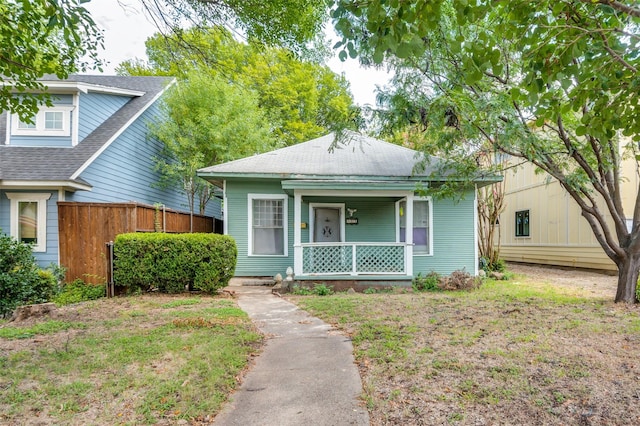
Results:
<point x="85" y="229"/>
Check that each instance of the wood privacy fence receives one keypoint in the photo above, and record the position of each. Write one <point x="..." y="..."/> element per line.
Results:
<point x="86" y="228"/>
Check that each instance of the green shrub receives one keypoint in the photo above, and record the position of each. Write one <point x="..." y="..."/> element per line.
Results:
<point x="498" y="266"/>
<point x="21" y="280"/>
<point x="79" y="291"/>
<point x="429" y="282"/>
<point x="174" y="262"/>
<point x="301" y="290"/>
<point x="322" y="290"/>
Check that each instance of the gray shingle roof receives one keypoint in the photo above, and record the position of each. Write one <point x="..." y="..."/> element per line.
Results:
<point x="59" y="164"/>
<point x="361" y="157"/>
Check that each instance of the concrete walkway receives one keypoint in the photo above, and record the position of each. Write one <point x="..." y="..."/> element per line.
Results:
<point x="305" y="375"/>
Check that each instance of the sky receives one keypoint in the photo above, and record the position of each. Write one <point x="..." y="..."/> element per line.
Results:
<point x="127" y="28"/>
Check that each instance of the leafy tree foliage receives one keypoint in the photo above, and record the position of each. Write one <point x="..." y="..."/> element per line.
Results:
<point x="301" y="99"/>
<point x="21" y="281"/>
<point x="287" y="23"/>
<point x="39" y="37"/>
<point x="208" y="121"/>
<point x="550" y="82"/>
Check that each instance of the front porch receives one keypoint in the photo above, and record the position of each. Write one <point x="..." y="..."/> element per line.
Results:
<point x="354" y="233"/>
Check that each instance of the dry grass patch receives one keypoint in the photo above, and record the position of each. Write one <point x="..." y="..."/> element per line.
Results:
<point x="508" y="353"/>
<point x="136" y="360"/>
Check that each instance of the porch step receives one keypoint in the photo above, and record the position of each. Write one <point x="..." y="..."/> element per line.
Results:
<point x="242" y="281"/>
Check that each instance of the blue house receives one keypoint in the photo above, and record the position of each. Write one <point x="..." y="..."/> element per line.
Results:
<point x="351" y="215"/>
<point x="92" y="145"/>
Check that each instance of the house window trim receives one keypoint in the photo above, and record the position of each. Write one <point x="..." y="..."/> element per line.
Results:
<point x="285" y="222"/>
<point x="429" y="200"/>
<point x="40" y="130"/>
<point x="528" y="235"/>
<point x="40" y="198"/>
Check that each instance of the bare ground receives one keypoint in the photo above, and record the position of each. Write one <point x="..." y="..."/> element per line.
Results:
<point x="591" y="283"/>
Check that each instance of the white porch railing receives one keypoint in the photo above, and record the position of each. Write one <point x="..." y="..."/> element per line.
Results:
<point x="354" y="258"/>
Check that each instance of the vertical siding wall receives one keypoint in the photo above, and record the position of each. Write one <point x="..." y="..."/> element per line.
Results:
<point x="85" y="228"/>
<point x="558" y="234"/>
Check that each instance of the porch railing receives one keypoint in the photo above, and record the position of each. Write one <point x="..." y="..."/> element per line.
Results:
<point x="354" y="258"/>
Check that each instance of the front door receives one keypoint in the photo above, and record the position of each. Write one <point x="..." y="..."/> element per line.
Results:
<point x="326" y="225"/>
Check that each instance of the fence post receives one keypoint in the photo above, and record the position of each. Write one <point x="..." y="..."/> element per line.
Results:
<point x="110" y="283"/>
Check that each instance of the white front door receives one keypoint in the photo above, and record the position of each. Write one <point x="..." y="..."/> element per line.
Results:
<point x="326" y="221"/>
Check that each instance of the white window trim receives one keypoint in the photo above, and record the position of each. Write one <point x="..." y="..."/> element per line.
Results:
<point x="431" y="232"/>
<point x="41" y="199"/>
<point x="40" y="123"/>
<point x="285" y="222"/>
<point x="313" y="206"/>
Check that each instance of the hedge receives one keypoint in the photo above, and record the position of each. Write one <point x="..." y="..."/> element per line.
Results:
<point x="172" y="263"/>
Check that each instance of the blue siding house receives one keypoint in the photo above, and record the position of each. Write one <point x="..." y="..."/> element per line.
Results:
<point x="91" y="145"/>
<point x="351" y="215"/>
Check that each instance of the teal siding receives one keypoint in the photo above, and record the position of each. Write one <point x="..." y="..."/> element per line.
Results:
<point x="376" y="218"/>
<point x="95" y="108"/>
<point x="237" y="225"/>
<point x="453" y="238"/>
<point x="125" y="171"/>
<point x="51" y="253"/>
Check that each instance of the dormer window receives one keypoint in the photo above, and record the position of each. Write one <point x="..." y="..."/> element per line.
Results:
<point x="49" y="121"/>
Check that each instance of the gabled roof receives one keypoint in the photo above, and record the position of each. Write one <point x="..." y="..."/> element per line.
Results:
<point x="51" y="164"/>
<point x="361" y="157"/>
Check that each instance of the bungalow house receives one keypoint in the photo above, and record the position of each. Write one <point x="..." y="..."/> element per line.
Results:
<point x="542" y="224"/>
<point x="90" y="146"/>
<point x="349" y="214"/>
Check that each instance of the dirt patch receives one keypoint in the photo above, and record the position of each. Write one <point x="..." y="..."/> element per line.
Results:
<point x="590" y="282"/>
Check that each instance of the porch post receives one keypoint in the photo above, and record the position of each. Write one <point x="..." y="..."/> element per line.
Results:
<point x="409" y="236"/>
<point x="297" y="232"/>
<point x="475" y="231"/>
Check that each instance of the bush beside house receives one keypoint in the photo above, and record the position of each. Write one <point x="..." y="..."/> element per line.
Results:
<point x="172" y="263"/>
<point x="22" y="282"/>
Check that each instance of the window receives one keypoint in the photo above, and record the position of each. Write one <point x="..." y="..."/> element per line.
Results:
<point x="421" y="225"/>
<point x="29" y="219"/>
<point x="49" y="121"/>
<point x="53" y="120"/>
<point x="268" y="225"/>
<point x="522" y="223"/>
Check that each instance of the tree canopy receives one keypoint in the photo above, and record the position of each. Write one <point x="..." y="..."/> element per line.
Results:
<point x="39" y="37"/>
<point x="300" y="99"/>
<point x="552" y="82"/>
<point x="207" y="121"/>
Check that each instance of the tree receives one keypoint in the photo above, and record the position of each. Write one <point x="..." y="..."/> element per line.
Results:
<point x="208" y="121"/>
<point x="286" y="23"/>
<point x="301" y="99"/>
<point x="551" y="82"/>
<point x="39" y="37"/>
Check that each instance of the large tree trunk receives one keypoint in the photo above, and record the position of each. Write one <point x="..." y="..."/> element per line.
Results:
<point x="628" y="270"/>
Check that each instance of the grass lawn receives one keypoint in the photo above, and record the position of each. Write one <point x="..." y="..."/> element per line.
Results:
<point x="510" y="353"/>
<point x="135" y="360"/>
